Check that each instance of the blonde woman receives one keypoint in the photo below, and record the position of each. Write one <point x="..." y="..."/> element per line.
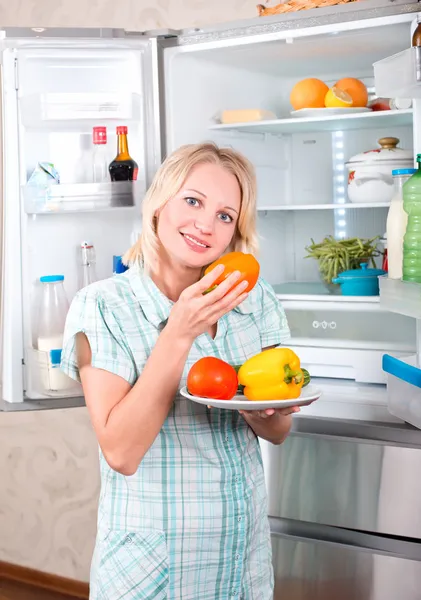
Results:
<point x="182" y="511"/>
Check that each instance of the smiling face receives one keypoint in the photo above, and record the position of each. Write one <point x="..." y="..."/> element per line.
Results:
<point x="197" y="225"/>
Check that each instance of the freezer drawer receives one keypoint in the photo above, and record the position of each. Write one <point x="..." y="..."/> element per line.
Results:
<point x="352" y="484"/>
<point x="313" y="569"/>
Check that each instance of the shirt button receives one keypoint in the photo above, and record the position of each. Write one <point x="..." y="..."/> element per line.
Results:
<point x="239" y="519"/>
<point x="226" y="440"/>
<point x="128" y="540"/>
<point x="237" y="557"/>
<point x="236" y="479"/>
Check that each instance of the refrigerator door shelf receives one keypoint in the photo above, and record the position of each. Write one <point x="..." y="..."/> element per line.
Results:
<point x="399" y="76"/>
<point x="41" y="109"/>
<point x="81" y="197"/>
<point x="45" y="379"/>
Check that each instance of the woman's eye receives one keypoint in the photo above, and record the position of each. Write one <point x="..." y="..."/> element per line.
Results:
<point x="225" y="217"/>
<point x="192" y="201"/>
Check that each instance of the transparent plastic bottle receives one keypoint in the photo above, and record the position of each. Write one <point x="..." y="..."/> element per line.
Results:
<point x="100" y="160"/>
<point x="412" y="238"/>
<point x="52" y="314"/>
<point x="88" y="273"/>
<point x="397" y="220"/>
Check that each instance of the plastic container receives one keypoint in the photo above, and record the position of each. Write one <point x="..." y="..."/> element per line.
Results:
<point x="411" y="270"/>
<point x="52" y="314"/>
<point x="397" y="220"/>
<point x="403" y="388"/>
<point x="360" y="282"/>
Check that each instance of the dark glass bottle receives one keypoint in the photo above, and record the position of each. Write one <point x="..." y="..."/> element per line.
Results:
<point x="123" y="167"/>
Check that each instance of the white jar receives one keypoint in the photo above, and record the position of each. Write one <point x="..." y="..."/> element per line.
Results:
<point x="370" y="173"/>
<point x="397" y="219"/>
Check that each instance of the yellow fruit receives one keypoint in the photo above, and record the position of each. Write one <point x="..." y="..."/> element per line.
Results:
<point x="356" y="89"/>
<point x="336" y="98"/>
<point x="308" y="93"/>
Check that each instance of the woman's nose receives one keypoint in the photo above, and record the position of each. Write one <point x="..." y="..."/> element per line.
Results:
<point x="205" y="224"/>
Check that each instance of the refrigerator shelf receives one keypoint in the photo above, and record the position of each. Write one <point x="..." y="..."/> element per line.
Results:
<point x="43" y="380"/>
<point x="81" y="197"/>
<point x="40" y="109"/>
<point x="399" y="76"/>
<point x="403" y="297"/>
<point x="364" y="120"/>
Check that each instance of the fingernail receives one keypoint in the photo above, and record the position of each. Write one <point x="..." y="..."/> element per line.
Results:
<point x="244" y="284"/>
<point x="270" y="412"/>
<point x="297" y="409"/>
<point x="236" y="274"/>
<point x="220" y="268"/>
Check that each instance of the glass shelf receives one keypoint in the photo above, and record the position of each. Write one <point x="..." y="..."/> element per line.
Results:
<point x="365" y="120"/>
<point x="81" y="197"/>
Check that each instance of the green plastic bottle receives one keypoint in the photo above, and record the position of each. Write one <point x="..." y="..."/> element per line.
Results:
<point x="412" y="238"/>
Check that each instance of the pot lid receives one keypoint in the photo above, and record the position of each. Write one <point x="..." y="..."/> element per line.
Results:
<point x="361" y="273"/>
<point x="389" y="152"/>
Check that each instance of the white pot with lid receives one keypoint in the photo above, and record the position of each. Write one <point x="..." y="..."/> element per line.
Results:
<point x="370" y="173"/>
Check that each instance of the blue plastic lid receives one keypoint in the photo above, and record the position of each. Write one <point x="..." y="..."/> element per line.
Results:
<point x="396" y="172"/>
<point x="402" y="370"/>
<point x="55" y="357"/>
<point x="363" y="272"/>
<point x="51" y="278"/>
<point x="118" y="266"/>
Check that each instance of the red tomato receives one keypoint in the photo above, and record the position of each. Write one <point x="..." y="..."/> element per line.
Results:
<point x="212" y="377"/>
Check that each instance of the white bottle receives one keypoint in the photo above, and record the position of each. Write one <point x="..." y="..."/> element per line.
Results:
<point x="52" y="314"/>
<point x="100" y="159"/>
<point x="397" y="219"/>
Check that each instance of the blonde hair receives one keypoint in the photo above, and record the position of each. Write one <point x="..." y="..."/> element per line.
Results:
<point x="168" y="181"/>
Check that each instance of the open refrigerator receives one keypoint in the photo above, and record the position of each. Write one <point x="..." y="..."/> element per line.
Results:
<point x="169" y="89"/>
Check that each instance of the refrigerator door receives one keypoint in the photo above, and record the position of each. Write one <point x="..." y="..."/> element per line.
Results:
<point x="54" y="92"/>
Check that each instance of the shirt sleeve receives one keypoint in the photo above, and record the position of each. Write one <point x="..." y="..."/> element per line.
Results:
<point x="90" y="315"/>
<point x="272" y="321"/>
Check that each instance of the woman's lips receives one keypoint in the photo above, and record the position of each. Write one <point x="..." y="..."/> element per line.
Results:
<point x="194" y="243"/>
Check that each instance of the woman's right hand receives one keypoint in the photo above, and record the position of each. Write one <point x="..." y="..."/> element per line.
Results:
<point x="194" y="312"/>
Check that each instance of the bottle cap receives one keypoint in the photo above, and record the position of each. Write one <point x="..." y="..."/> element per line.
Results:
<point x="396" y="172"/>
<point x="100" y="135"/>
<point x="121" y="130"/>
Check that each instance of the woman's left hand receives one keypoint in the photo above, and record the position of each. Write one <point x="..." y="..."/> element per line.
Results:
<point x="269" y="412"/>
<point x="272" y="424"/>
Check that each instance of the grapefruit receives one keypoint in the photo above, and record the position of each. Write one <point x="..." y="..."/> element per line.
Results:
<point x="308" y="93"/>
<point x="336" y="98"/>
<point x="355" y="88"/>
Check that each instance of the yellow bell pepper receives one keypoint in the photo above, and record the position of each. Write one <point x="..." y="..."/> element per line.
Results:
<point x="273" y="374"/>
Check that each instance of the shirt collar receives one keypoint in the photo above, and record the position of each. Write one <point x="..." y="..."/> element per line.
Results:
<point x="155" y="305"/>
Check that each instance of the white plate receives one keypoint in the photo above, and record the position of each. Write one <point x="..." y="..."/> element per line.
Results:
<point x="308" y="395"/>
<point x="327" y="112"/>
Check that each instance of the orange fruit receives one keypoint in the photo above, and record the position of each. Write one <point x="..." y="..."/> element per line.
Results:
<point x="355" y="88"/>
<point x="308" y="93"/>
<point x="336" y="98"/>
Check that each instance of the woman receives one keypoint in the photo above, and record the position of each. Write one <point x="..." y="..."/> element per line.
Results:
<point x="182" y="511"/>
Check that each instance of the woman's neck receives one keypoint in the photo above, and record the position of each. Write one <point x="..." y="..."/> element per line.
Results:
<point x="172" y="278"/>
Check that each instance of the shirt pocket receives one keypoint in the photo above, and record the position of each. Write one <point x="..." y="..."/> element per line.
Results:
<point x="133" y="566"/>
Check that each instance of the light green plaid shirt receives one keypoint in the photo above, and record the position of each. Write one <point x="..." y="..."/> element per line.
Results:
<point x="191" y="523"/>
